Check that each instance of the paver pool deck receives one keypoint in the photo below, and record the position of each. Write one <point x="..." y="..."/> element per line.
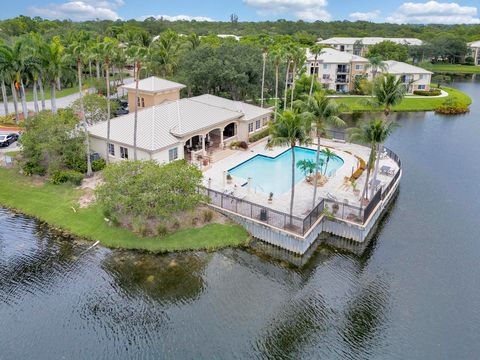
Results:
<point x="214" y="178"/>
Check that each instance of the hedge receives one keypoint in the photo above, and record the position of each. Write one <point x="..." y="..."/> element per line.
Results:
<point x="432" y="92"/>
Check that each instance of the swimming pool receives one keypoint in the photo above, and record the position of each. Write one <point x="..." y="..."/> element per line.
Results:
<point x="273" y="174"/>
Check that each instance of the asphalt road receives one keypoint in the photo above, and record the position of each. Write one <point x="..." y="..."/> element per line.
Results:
<point x="62" y="102"/>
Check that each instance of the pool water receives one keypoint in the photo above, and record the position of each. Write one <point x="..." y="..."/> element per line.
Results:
<point x="273" y="174"/>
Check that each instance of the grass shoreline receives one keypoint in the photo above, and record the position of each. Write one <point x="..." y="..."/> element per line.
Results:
<point x="356" y="104"/>
<point x="57" y="206"/>
<point x="452" y="68"/>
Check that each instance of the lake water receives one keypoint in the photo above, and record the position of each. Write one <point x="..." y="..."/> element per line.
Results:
<point x="413" y="294"/>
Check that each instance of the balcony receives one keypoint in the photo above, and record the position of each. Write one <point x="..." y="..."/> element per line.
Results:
<point x="341" y="80"/>
<point x="343" y="69"/>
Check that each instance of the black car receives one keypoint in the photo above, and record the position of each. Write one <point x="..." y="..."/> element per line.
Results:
<point x="121" y="112"/>
<point x="6" y="140"/>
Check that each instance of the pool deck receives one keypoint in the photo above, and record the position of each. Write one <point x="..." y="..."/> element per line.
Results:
<point x="336" y="185"/>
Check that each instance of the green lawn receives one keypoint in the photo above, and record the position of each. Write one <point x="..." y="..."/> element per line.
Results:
<point x="452" y="68"/>
<point x="47" y="93"/>
<point x="408" y="104"/>
<point x="54" y="204"/>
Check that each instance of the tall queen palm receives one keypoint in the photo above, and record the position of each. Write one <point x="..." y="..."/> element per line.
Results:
<point x="55" y="62"/>
<point x="289" y="130"/>
<point x="108" y="49"/>
<point x="321" y="111"/>
<point x="78" y="51"/>
<point x="277" y="54"/>
<point x="316" y="50"/>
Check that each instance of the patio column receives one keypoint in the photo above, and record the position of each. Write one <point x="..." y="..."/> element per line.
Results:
<point x="221" y="138"/>
<point x="203" y="146"/>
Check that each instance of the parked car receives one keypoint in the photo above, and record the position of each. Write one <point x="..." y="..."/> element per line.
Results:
<point x="121" y="112"/>
<point x="6" y="140"/>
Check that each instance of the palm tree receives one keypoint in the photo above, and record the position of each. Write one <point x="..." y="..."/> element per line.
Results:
<point x="328" y="155"/>
<point x="194" y="40"/>
<point x="316" y="50"/>
<point x="288" y="59"/>
<point x="375" y="63"/>
<point x="5" y="77"/>
<point x="138" y="53"/>
<point x="277" y="54"/>
<point x="107" y="49"/>
<point x="320" y="111"/>
<point x="388" y="91"/>
<point x="289" y="130"/>
<point x="10" y="66"/>
<point x="266" y="44"/>
<point x="78" y="51"/>
<point x="373" y="132"/>
<point x="298" y="58"/>
<point x="163" y="53"/>
<point x="55" y="62"/>
<point x="306" y="166"/>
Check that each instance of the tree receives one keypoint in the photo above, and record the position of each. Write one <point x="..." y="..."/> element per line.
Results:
<point x="320" y="111"/>
<point x="107" y="49"/>
<point x="94" y="108"/>
<point x="329" y="154"/>
<point x="163" y="53"/>
<point x="441" y="79"/>
<point x="277" y="54"/>
<point x="194" y="40"/>
<point x="289" y="130"/>
<point x="147" y="190"/>
<point x="52" y="142"/>
<point x="316" y="50"/>
<point x="12" y="60"/>
<point x="298" y="59"/>
<point x="376" y="64"/>
<point x="139" y="54"/>
<point x="306" y="166"/>
<point x="373" y="132"/>
<point x="388" y="91"/>
<point x="388" y="50"/>
<point x="55" y="62"/>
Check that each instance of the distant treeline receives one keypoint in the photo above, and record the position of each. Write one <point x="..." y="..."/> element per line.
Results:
<point x="306" y="32"/>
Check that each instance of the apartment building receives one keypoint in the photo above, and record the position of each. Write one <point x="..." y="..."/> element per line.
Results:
<point x="359" y="45"/>
<point x="336" y="69"/>
<point x="414" y="77"/>
<point x="475" y="51"/>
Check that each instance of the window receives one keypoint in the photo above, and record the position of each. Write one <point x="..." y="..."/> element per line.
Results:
<point x="111" y="149"/>
<point x="141" y="102"/>
<point x="325" y="66"/>
<point x="250" y="127"/>
<point x="326" y="76"/>
<point x="173" y="154"/>
<point x="422" y="76"/>
<point x="123" y="152"/>
<point x="264" y="122"/>
<point x="421" y="87"/>
<point x="358" y="67"/>
<point x="257" y="124"/>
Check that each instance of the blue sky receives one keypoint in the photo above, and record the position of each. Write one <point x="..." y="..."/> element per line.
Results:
<point x="397" y="11"/>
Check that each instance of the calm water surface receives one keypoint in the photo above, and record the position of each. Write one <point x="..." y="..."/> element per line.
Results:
<point x="414" y="293"/>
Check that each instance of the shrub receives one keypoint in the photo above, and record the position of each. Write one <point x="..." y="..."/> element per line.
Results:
<point x="207" y="216"/>
<point x="243" y="145"/>
<point x="162" y="230"/>
<point x="7" y="120"/>
<point x="432" y="92"/>
<point x="234" y="144"/>
<point x="452" y="107"/>
<point x="139" y="226"/>
<point x="62" y="176"/>
<point x="262" y="134"/>
<point x="33" y="168"/>
<point x="98" y="165"/>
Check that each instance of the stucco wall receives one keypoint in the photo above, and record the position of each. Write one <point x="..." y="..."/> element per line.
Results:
<point x="162" y="156"/>
<point x="152" y="99"/>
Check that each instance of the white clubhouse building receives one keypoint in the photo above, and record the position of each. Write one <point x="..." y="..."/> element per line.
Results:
<point x="170" y="128"/>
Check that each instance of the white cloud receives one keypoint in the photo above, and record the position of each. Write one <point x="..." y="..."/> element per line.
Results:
<point x="309" y="10"/>
<point x="365" y="16"/>
<point x="79" y="10"/>
<point x="176" y="18"/>
<point x="433" y="12"/>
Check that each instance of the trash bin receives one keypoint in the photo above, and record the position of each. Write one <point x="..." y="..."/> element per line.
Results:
<point x="263" y="215"/>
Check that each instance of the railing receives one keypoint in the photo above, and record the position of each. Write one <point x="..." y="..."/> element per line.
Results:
<point x="265" y="214"/>
<point x="339" y="210"/>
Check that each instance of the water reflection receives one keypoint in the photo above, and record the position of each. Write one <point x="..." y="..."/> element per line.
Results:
<point x="162" y="278"/>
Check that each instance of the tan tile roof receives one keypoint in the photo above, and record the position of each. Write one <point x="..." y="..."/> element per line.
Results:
<point x="154" y="84"/>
